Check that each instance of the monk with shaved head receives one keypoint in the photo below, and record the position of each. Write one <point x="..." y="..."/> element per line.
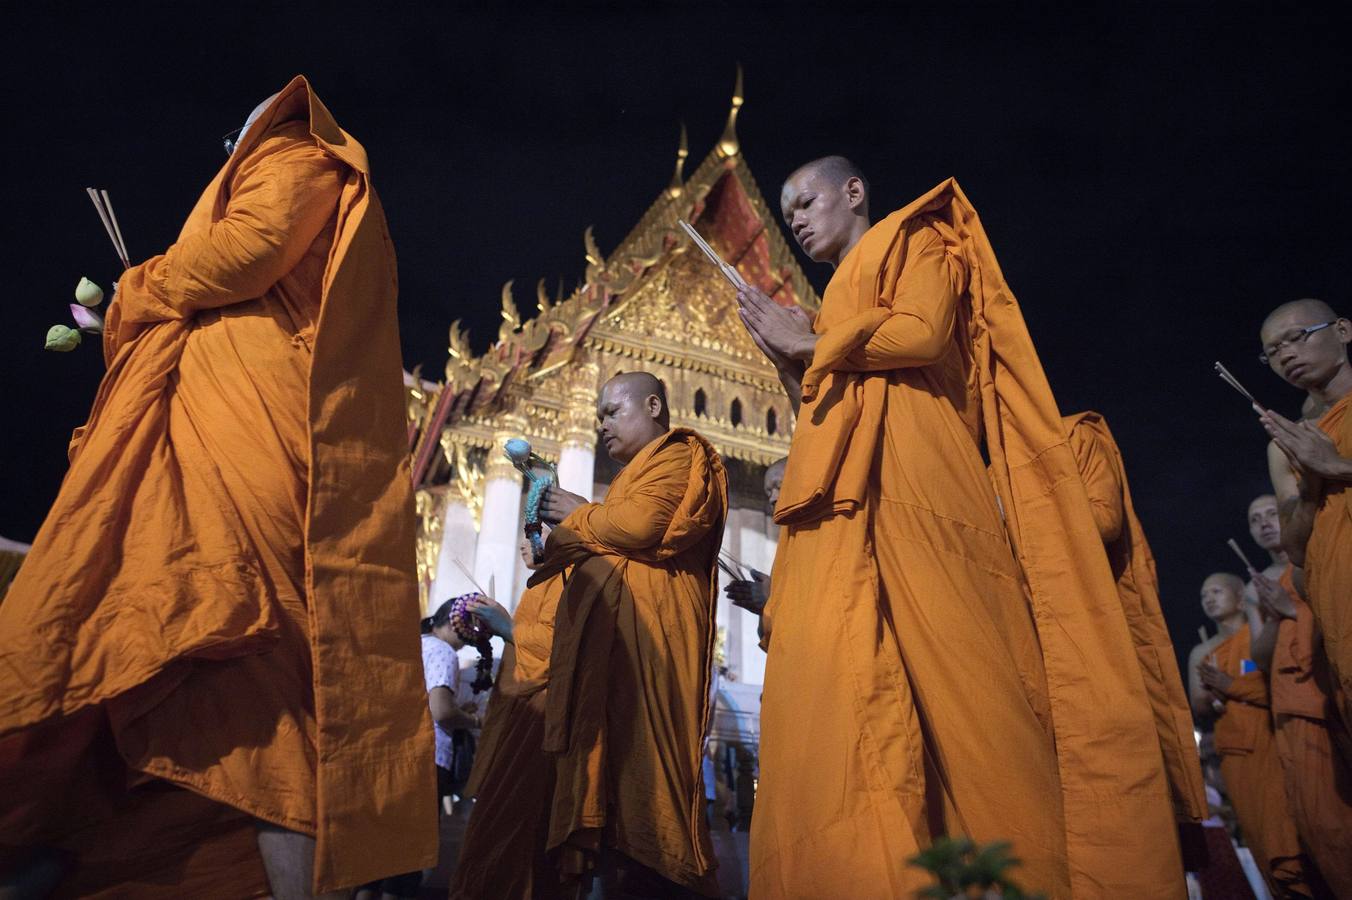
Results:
<point x="973" y="671"/>
<point x="628" y="701"/>
<point x="208" y="684"/>
<point x="1228" y="685"/>
<point x="1305" y="343"/>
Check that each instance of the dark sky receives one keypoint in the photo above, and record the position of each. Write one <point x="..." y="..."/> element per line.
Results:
<point x="1154" y="179"/>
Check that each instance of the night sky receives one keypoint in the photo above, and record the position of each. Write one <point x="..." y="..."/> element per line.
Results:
<point x="1154" y="180"/>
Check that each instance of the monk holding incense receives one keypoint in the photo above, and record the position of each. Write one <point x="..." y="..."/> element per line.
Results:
<point x="1238" y="693"/>
<point x="972" y="670"/>
<point x="209" y="680"/>
<point x="628" y="702"/>
<point x="1105" y="480"/>
<point x="503" y="852"/>
<point x="1305" y="343"/>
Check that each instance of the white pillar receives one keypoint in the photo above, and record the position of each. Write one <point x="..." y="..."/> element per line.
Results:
<point x="458" y="539"/>
<point x="577" y="456"/>
<point x="577" y="467"/>
<point x="500" y="524"/>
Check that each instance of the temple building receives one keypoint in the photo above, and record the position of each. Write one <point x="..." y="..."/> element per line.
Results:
<point x="653" y="304"/>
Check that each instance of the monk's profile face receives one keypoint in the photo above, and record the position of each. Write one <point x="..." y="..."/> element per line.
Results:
<point x="774" y="480"/>
<point x="1222" y="596"/>
<point x="821" y="212"/>
<point x="1264" y="524"/>
<point x="628" y="418"/>
<point x="1305" y="360"/>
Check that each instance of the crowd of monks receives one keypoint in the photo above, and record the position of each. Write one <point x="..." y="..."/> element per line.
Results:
<point x="210" y="685"/>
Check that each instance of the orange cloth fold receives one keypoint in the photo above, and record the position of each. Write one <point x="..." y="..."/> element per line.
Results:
<point x="1133" y="565"/>
<point x="628" y="705"/>
<point x="227" y="574"/>
<point x="1252" y="772"/>
<point x="1318" y="780"/>
<point x="503" y="852"/>
<point x="898" y="551"/>
<point x="1328" y="561"/>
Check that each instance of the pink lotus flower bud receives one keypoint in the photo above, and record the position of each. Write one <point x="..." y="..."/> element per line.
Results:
<point x="86" y="319"/>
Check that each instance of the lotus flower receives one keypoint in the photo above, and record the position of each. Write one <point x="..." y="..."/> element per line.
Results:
<point x="88" y="293"/>
<point x="86" y="319"/>
<point x="62" y="338"/>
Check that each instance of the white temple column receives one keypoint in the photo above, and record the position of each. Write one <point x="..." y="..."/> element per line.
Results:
<point x="459" y="534"/>
<point x="577" y="457"/>
<point x="500" y="523"/>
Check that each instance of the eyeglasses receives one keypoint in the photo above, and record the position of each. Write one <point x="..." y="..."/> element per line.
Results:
<point x="1299" y="336"/>
<point x="231" y="140"/>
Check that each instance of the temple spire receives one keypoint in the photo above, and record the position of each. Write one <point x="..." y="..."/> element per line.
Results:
<point x="728" y="145"/>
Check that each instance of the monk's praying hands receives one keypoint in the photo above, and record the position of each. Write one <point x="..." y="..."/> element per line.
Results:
<point x="1216" y="681"/>
<point x="558" y="503"/>
<point x="1307" y="446"/>
<point x="780" y="331"/>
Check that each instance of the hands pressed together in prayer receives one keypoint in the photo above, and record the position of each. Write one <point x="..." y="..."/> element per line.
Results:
<point x="558" y="503"/>
<point x="1312" y="453"/>
<point x="1215" y="680"/>
<point x="750" y="595"/>
<point x="783" y="333"/>
<point x="1272" y="598"/>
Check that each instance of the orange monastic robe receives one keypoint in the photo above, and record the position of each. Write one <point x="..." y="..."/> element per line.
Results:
<point x="503" y="852"/>
<point x="1133" y="565"/>
<point x="1328" y="561"/>
<point x="1318" y="780"/>
<point x="628" y="704"/>
<point x="221" y="597"/>
<point x="973" y="672"/>
<point x="1253" y="773"/>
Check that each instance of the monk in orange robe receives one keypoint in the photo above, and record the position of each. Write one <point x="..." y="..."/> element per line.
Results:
<point x="503" y="851"/>
<point x="212" y="631"/>
<point x="973" y="672"/>
<point x="1249" y="761"/>
<point x="1305" y="342"/>
<point x="1105" y="481"/>
<point x="628" y="705"/>
<point x="1318" y="778"/>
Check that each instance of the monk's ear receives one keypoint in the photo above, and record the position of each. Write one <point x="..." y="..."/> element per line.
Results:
<point x="856" y="195"/>
<point x="1344" y="329"/>
<point x="654" y="406"/>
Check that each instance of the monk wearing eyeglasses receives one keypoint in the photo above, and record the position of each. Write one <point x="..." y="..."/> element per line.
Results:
<point x="1305" y="343"/>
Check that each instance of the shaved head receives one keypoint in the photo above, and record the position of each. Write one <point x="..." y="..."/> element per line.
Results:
<point x="1222" y="596"/>
<point x="825" y="205"/>
<point x="1228" y="579"/>
<point x="253" y="117"/>
<point x="1305" y="343"/>
<point x="835" y="169"/>
<point x="774" y="480"/>
<point x="1315" y="310"/>
<point x="631" y="413"/>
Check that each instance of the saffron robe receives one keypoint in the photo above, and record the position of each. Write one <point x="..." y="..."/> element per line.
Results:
<point x="628" y="705"/>
<point x="224" y="588"/>
<point x="908" y="577"/>
<point x="1328" y="561"/>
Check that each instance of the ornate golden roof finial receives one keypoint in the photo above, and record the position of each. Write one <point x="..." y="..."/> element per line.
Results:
<point x="558" y="295"/>
<point x="459" y="342"/>
<point x="677" y="186"/>
<point x="511" y="316"/>
<point x="593" y="252"/>
<point x="728" y="145"/>
<point x="541" y="297"/>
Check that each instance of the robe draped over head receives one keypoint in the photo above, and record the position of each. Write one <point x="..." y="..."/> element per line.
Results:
<point x="226" y="579"/>
<point x="1119" y="835"/>
<point x="503" y="852"/>
<point x="627" y="710"/>
<point x="1252" y="771"/>
<point x="1328" y="561"/>
<point x="1105" y="478"/>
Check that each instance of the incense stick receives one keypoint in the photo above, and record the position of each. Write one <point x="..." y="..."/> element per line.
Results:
<point x="1234" y="383"/>
<point x="121" y="244"/>
<point x="729" y="272"/>
<point x="108" y="226"/>
<point x="733" y="566"/>
<point x="731" y="573"/>
<point x="461" y="566"/>
<point x="1240" y="553"/>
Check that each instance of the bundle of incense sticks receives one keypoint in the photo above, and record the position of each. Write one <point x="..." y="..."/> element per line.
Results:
<point x="465" y="571"/>
<point x="736" y="571"/>
<point x="730" y="273"/>
<point x="1240" y="553"/>
<point x="103" y="204"/>
<point x="1234" y="383"/>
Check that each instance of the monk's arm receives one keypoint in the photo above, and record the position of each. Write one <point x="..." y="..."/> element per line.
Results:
<point x="1198" y="696"/>
<point x="279" y="204"/>
<point x="1293" y="506"/>
<point x="1265" y="644"/>
<point x="1250" y="688"/>
<point x="923" y="306"/>
<point x="639" y="520"/>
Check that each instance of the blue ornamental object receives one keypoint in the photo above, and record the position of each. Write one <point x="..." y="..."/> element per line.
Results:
<point x="528" y="463"/>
